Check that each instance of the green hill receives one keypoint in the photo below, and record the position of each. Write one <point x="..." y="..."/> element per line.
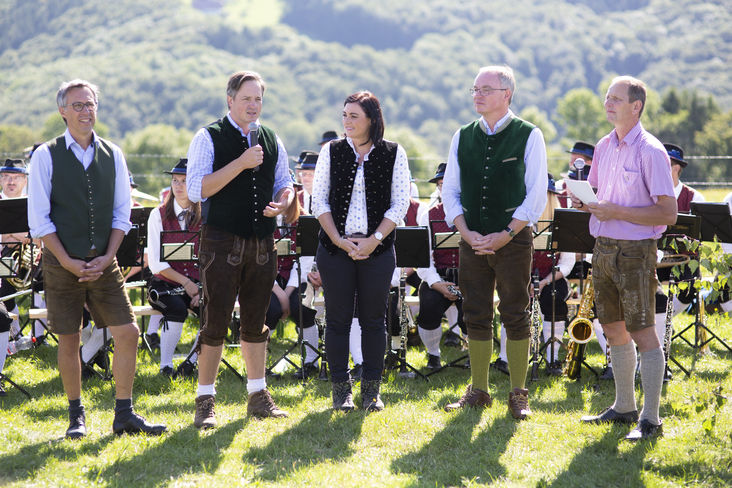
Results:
<point x="167" y="62"/>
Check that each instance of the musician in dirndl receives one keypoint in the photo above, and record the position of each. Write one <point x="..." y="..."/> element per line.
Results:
<point x="174" y="283"/>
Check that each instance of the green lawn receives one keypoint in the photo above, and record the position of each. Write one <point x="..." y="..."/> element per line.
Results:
<point x="411" y="443"/>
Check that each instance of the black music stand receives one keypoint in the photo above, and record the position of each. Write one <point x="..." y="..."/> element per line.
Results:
<point x="308" y="232"/>
<point x="571" y="233"/>
<point x="412" y="250"/>
<point x="13" y="219"/>
<point x="715" y="225"/>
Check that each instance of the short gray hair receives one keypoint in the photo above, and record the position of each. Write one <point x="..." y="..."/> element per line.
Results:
<point x="505" y="76"/>
<point x="63" y="90"/>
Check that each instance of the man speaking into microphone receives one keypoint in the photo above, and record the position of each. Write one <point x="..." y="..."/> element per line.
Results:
<point x="238" y="169"/>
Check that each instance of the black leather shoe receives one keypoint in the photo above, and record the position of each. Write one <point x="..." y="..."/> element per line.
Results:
<point x="610" y="415"/>
<point x="310" y="370"/>
<point x="185" y="369"/>
<point x="554" y="369"/>
<point x="136" y="425"/>
<point x="500" y="365"/>
<point x="607" y="373"/>
<point x="433" y="362"/>
<point x="645" y="430"/>
<point x="77" y="425"/>
<point x="153" y="340"/>
<point x="451" y="340"/>
<point x="168" y="372"/>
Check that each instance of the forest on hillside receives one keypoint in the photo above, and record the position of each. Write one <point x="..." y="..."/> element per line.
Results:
<point x="162" y="68"/>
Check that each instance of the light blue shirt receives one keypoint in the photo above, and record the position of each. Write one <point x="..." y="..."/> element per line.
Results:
<point x="535" y="178"/>
<point x="39" y="186"/>
<point x="201" y="159"/>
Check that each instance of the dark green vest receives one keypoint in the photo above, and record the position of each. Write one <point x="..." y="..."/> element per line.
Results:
<point x="82" y="202"/>
<point x="237" y="207"/>
<point x="492" y="174"/>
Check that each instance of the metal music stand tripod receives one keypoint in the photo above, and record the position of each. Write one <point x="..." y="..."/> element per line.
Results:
<point x="306" y="244"/>
<point x="412" y="250"/>
<point x="180" y="252"/>
<point x="571" y="233"/>
<point x="716" y="224"/>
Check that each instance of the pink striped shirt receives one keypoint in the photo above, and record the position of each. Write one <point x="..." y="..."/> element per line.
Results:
<point x="633" y="172"/>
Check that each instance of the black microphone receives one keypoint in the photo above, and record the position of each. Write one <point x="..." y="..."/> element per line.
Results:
<point x="254" y="138"/>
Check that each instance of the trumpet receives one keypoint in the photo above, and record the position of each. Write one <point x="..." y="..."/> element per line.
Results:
<point x="580" y="333"/>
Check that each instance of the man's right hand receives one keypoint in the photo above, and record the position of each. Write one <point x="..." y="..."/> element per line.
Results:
<point x="478" y="242"/>
<point x="442" y="287"/>
<point x="251" y="158"/>
<point x="79" y="268"/>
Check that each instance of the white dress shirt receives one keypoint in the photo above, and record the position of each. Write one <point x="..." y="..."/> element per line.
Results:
<point x="535" y="177"/>
<point x="39" y="186"/>
<point x="356" y="219"/>
<point x="201" y="159"/>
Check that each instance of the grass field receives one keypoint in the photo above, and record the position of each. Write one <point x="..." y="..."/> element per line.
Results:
<point x="411" y="443"/>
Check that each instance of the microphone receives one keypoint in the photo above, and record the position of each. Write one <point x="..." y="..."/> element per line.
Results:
<point x="254" y="138"/>
<point x="579" y="165"/>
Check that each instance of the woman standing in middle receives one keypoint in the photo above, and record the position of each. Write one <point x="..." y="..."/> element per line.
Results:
<point x="360" y="192"/>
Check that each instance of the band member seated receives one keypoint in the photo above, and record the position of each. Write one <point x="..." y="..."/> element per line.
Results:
<point x="175" y="284"/>
<point x="79" y="205"/>
<point x="438" y="291"/>
<point x="361" y="191"/>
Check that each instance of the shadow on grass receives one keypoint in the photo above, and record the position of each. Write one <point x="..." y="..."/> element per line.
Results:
<point x="195" y="452"/>
<point x="31" y="459"/>
<point x="600" y="463"/>
<point x="462" y="458"/>
<point x="320" y="436"/>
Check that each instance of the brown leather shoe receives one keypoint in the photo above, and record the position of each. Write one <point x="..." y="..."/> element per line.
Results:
<point x="261" y="404"/>
<point x="518" y="403"/>
<point x="205" y="416"/>
<point x="473" y="397"/>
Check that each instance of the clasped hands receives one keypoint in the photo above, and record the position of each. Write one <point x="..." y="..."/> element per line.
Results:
<point x="358" y="248"/>
<point x="89" y="271"/>
<point x="486" y="244"/>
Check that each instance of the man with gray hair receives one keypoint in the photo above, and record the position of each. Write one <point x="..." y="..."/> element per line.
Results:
<point x="494" y="190"/>
<point x="79" y="206"/>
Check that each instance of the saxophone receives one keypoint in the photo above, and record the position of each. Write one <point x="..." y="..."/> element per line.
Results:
<point x="580" y="333"/>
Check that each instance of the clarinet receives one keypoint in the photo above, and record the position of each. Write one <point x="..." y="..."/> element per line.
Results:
<point x="154" y="296"/>
<point x="536" y="325"/>
<point x="669" y="331"/>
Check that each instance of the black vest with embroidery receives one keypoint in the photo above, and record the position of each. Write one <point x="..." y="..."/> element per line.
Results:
<point x="378" y="171"/>
<point x="237" y="207"/>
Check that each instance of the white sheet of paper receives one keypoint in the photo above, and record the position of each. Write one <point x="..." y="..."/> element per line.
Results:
<point x="581" y="189"/>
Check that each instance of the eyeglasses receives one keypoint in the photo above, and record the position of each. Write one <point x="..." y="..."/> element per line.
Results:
<point x="79" y="106"/>
<point x="484" y="91"/>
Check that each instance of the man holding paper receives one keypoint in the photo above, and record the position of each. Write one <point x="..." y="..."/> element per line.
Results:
<point x="632" y="173"/>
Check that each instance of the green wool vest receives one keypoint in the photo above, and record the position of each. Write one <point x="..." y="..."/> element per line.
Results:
<point x="82" y="201"/>
<point x="492" y="172"/>
<point x="237" y="208"/>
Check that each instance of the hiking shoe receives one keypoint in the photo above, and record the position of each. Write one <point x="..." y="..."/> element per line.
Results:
<point x="261" y="404"/>
<point x="343" y="396"/>
<point x="518" y="403"/>
<point x="205" y="417"/>
<point x="473" y="397"/>
<point x="370" y="397"/>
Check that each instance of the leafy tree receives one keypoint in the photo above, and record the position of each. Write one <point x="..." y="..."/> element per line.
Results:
<point x="537" y="117"/>
<point x="715" y="140"/>
<point x="14" y="139"/>
<point x="582" y="114"/>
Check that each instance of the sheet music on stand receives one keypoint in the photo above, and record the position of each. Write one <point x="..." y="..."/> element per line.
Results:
<point x="542" y="233"/>
<point x="178" y="251"/>
<point x="283" y="244"/>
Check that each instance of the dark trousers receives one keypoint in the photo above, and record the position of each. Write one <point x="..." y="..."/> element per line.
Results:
<point x="560" y="301"/>
<point x="508" y="271"/>
<point x="432" y="306"/>
<point x="344" y="282"/>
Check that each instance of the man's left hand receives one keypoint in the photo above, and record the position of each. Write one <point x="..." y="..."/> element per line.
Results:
<point x="493" y="242"/>
<point x="275" y="208"/>
<point x="93" y="269"/>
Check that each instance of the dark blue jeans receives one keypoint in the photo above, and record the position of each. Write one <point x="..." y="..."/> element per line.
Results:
<point x="344" y="281"/>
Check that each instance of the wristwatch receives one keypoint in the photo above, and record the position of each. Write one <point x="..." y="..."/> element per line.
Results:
<point x="379" y="236"/>
<point x="510" y="231"/>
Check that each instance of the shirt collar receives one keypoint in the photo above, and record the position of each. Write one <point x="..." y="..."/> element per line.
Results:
<point x="177" y="208"/>
<point x="231" y="119"/>
<point x="353" y="146"/>
<point x="630" y="137"/>
<point x="500" y="125"/>
<point x="69" y="139"/>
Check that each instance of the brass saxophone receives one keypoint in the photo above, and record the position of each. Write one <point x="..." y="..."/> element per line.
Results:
<point x="580" y="333"/>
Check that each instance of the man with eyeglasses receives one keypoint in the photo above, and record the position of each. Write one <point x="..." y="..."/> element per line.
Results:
<point x="79" y="206"/>
<point x="494" y="190"/>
